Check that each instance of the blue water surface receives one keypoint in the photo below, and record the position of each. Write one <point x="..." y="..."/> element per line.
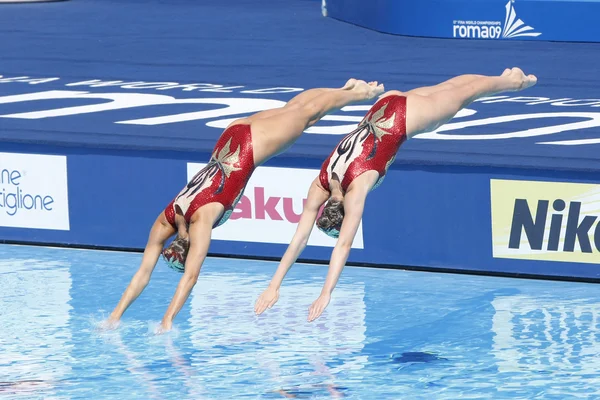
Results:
<point x="386" y="335"/>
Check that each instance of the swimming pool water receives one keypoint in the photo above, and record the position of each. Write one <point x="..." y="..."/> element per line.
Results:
<point x="387" y="334"/>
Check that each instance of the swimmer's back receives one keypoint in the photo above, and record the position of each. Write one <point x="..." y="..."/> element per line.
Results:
<point x="370" y="147"/>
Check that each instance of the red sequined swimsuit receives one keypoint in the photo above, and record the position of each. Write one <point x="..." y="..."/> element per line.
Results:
<point x="371" y="147"/>
<point x="222" y="180"/>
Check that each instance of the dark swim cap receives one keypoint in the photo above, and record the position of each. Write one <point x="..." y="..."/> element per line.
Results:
<point x="330" y="221"/>
<point x="176" y="254"/>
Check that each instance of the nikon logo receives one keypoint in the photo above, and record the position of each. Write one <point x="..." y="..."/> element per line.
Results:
<point x="577" y="228"/>
<point x="553" y="221"/>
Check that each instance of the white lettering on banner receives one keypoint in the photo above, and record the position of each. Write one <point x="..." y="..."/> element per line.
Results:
<point x="513" y="27"/>
<point x="577" y="103"/>
<point x="274" y="90"/>
<point x="518" y="99"/>
<point x="222" y="89"/>
<point x="13" y="79"/>
<point x="530" y="101"/>
<point x="593" y="120"/>
<point x="149" y="85"/>
<point x="226" y="110"/>
<point x="270" y="208"/>
<point x="118" y="101"/>
<point x="26" y="79"/>
<point x="202" y="87"/>
<point x="186" y="87"/>
<point x="235" y="106"/>
<point x="323" y="130"/>
<point x="41" y="80"/>
<point x="33" y="191"/>
<point x="100" y="83"/>
<point x="356" y="108"/>
<point x="575" y="142"/>
<point x="49" y="95"/>
<point x="475" y="31"/>
<point x="130" y="100"/>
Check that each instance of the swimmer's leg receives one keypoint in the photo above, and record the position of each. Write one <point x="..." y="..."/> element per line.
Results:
<point x="452" y="83"/>
<point x="161" y="231"/>
<point x="311" y="94"/>
<point x="449" y="84"/>
<point x="307" y="110"/>
<point x="427" y="113"/>
<point x="279" y="130"/>
<point x="300" y="99"/>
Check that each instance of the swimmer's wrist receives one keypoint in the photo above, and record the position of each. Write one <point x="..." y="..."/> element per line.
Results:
<point x="114" y="318"/>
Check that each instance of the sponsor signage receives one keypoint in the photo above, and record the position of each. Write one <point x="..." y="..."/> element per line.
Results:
<point x="553" y="221"/>
<point x="271" y="207"/>
<point x="541" y="20"/>
<point x="33" y="191"/>
<point x="511" y="27"/>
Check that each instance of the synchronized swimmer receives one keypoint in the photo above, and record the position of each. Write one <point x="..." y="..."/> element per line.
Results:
<point x="359" y="163"/>
<point x="356" y="166"/>
<point x="209" y="198"/>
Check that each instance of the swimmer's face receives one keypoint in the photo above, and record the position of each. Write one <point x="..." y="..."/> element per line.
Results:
<point x="331" y="219"/>
<point x="176" y="254"/>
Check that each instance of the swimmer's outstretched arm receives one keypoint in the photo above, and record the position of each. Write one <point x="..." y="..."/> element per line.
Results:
<point x="315" y="199"/>
<point x="161" y="231"/>
<point x="200" y="235"/>
<point x="354" y="204"/>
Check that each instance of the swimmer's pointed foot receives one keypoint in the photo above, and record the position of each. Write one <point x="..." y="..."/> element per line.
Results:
<point x="368" y="90"/>
<point x="531" y="80"/>
<point x="350" y="84"/>
<point x="520" y="81"/>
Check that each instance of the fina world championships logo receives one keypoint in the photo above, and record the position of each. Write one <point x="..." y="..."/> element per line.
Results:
<point x="513" y="27"/>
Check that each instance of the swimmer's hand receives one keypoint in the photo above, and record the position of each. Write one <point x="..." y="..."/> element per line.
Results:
<point x="319" y="305"/>
<point x="109" y="324"/>
<point x="267" y="299"/>
<point x="164" y="327"/>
